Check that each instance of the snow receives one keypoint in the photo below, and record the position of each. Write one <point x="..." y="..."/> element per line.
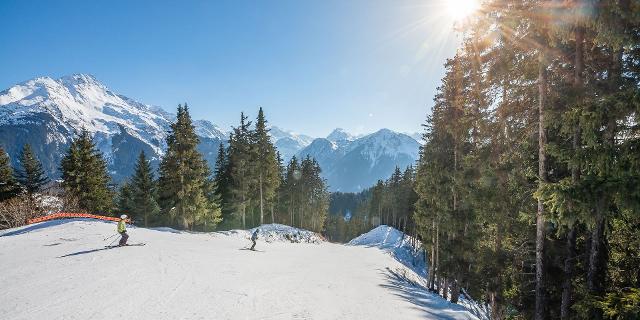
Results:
<point x="80" y="101"/>
<point x="386" y="142"/>
<point x="60" y="270"/>
<point x="279" y="233"/>
<point x="398" y="245"/>
<point x="340" y="134"/>
<point x="277" y="133"/>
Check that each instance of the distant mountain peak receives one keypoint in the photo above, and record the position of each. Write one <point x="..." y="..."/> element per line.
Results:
<point x="46" y="112"/>
<point x="352" y="164"/>
<point x="340" y="134"/>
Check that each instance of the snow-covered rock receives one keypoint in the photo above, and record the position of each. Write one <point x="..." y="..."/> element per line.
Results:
<point x="62" y="270"/>
<point x="353" y="164"/>
<point x="288" y="142"/>
<point x="279" y="233"/>
<point x="340" y="134"/>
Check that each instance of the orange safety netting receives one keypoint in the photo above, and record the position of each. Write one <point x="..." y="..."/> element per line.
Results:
<point x="66" y="215"/>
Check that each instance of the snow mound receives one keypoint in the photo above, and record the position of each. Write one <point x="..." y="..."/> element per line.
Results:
<point x="395" y="243"/>
<point x="279" y="233"/>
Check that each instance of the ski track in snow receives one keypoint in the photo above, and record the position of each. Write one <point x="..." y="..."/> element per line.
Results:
<point x="190" y="275"/>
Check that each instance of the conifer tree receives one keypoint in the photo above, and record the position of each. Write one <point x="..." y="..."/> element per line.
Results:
<point x="241" y="168"/>
<point x="267" y="166"/>
<point x="31" y="176"/>
<point x="125" y="198"/>
<point x="85" y="176"/>
<point x="8" y="186"/>
<point x="185" y="192"/>
<point x="144" y="192"/>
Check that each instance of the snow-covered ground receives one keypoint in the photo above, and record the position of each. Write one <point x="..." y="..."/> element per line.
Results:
<point x="61" y="270"/>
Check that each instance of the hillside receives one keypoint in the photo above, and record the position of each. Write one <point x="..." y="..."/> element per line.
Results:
<point x="61" y="270"/>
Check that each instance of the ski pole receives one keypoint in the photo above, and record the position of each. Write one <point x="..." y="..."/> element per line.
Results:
<point x="113" y="235"/>
<point x="110" y="243"/>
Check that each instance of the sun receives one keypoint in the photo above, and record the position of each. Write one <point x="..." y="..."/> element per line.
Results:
<point x="461" y="9"/>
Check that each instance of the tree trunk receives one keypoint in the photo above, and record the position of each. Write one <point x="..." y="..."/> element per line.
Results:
<point x="597" y="258"/>
<point x="569" y="263"/>
<point x="261" y="201"/>
<point x="445" y="288"/>
<point x="432" y="267"/>
<point x="542" y="173"/>
<point x="437" y="268"/>
<point x="273" y="220"/>
<point x="455" y="289"/>
<point x="496" y="291"/>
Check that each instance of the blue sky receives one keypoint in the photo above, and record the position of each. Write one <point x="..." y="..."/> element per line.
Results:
<point x="313" y="65"/>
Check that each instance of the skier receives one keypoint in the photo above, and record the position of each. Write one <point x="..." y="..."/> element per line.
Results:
<point x="122" y="230"/>
<point x="254" y="237"/>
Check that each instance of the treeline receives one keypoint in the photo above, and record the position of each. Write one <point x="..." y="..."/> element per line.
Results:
<point x="389" y="202"/>
<point x="250" y="185"/>
<point x="20" y="187"/>
<point x="528" y="184"/>
<point x="255" y="187"/>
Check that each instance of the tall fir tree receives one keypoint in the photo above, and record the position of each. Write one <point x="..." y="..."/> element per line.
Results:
<point x="184" y="187"/>
<point x="31" y="175"/>
<point x="144" y="192"/>
<point x="267" y="167"/>
<point x="124" y="199"/>
<point x="241" y="171"/>
<point x="9" y="188"/>
<point x="85" y="176"/>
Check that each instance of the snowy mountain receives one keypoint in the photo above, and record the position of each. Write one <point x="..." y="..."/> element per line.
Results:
<point x="46" y="113"/>
<point x="340" y="134"/>
<point x="62" y="270"/>
<point x="354" y="165"/>
<point x="288" y="142"/>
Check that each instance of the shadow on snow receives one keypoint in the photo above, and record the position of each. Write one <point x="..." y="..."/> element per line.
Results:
<point x="42" y="225"/>
<point x="421" y="297"/>
<point x="83" y="252"/>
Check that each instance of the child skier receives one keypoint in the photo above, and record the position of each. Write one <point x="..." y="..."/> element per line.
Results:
<point x="254" y="237"/>
<point x="122" y="230"/>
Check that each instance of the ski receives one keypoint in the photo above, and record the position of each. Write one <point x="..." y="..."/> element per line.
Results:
<point x="127" y="245"/>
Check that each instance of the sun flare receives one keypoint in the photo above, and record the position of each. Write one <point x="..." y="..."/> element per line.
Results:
<point x="461" y="9"/>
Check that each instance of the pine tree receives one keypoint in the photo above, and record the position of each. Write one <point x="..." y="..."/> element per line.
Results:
<point x="267" y="166"/>
<point x="241" y="168"/>
<point x="221" y="171"/>
<point x="125" y="198"/>
<point x="185" y="192"/>
<point x="31" y="176"/>
<point x="144" y="192"/>
<point x="8" y="186"/>
<point x="84" y="175"/>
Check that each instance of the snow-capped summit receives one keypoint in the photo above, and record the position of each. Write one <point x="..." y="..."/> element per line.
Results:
<point x="352" y="164"/>
<point x="340" y="134"/>
<point x="46" y="113"/>
<point x="288" y="142"/>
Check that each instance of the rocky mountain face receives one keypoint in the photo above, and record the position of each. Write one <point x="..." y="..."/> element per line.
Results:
<point x="46" y="113"/>
<point x="352" y="164"/>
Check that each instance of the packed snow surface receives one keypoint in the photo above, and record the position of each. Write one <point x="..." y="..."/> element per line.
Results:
<point x="61" y="270"/>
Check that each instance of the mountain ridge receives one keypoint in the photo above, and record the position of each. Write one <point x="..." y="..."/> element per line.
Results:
<point x="46" y="112"/>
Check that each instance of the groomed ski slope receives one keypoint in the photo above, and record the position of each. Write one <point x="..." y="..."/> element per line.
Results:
<point x="60" y="270"/>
